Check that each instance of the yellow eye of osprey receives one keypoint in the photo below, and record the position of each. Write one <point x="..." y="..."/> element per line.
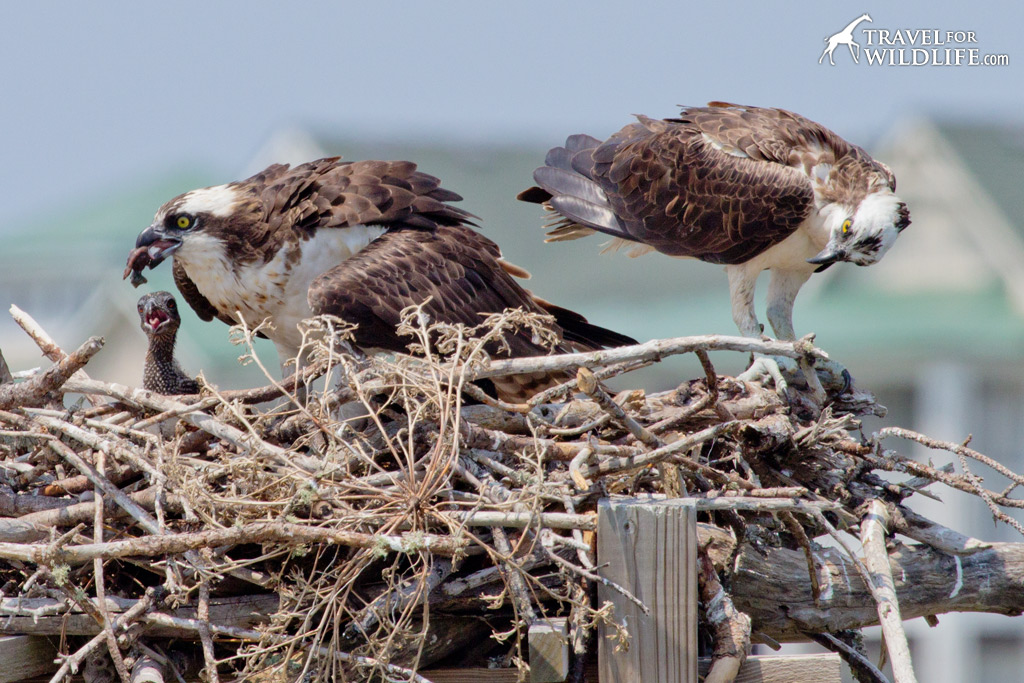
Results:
<point x="184" y="222"/>
<point x="846" y="225"/>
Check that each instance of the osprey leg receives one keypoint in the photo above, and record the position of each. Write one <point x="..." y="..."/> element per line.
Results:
<point x="782" y="290"/>
<point x="741" y="291"/>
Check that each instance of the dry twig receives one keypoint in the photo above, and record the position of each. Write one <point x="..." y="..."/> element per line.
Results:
<point x="873" y="531"/>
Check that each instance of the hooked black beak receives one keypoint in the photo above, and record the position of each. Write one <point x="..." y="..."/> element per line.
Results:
<point x="159" y="244"/>
<point x="828" y="256"/>
<point x="152" y="246"/>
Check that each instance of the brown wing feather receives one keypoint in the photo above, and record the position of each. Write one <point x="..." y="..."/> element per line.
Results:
<point x="281" y="203"/>
<point x="685" y="195"/>
<point x="456" y="266"/>
<point x="329" y="193"/>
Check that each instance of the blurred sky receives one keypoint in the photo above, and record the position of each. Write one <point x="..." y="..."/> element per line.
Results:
<point x="96" y="95"/>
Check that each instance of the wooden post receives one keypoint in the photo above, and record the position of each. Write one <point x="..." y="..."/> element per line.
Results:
<point x="648" y="546"/>
<point x="549" y="650"/>
<point x="24" y="657"/>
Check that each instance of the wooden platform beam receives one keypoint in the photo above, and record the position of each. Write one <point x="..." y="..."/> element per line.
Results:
<point x="823" y="668"/>
<point x="23" y="657"/>
<point x="649" y="547"/>
<point x="549" y="650"/>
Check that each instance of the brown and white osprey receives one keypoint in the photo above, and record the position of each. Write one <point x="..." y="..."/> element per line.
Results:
<point x="359" y="240"/>
<point x="748" y="187"/>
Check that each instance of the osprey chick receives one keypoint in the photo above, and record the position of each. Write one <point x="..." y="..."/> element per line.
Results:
<point x="358" y="240"/>
<point x="748" y="187"/>
<point x="158" y="315"/>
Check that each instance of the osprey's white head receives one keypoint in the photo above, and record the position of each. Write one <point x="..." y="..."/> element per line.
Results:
<point x="190" y="223"/>
<point x="863" y="235"/>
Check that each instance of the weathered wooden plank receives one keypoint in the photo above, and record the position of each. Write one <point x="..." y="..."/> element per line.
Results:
<point x="649" y="547"/>
<point x="823" y="668"/>
<point x="23" y="657"/>
<point x="549" y="650"/>
<point x="471" y="675"/>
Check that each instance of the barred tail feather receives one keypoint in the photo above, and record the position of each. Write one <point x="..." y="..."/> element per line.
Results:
<point x="559" y="181"/>
<point x="590" y="215"/>
<point x="566" y="186"/>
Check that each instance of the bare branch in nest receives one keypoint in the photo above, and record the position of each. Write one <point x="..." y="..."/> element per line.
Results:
<point x="258" y="636"/>
<point x="264" y="532"/>
<point x="624" y="464"/>
<point x="203" y="612"/>
<point x="53" y="616"/>
<point x="927" y="582"/>
<point x="562" y="391"/>
<point x="588" y="384"/>
<point x="800" y="535"/>
<point x="960" y="449"/>
<point x="709" y="399"/>
<point x="44" y="341"/>
<point x="652" y="350"/>
<point x="148" y="670"/>
<point x="874" y="528"/>
<point x="963" y="452"/>
<point x="120" y="623"/>
<point x="273" y="391"/>
<point x="863" y="670"/>
<point x="234" y="436"/>
<point x="923" y="530"/>
<point x="33" y="392"/>
<point x="730" y="627"/>
<point x="70" y="514"/>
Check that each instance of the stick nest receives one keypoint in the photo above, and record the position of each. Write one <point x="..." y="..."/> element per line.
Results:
<point x="397" y="517"/>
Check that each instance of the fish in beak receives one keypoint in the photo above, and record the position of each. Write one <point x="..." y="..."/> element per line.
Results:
<point x="152" y="246"/>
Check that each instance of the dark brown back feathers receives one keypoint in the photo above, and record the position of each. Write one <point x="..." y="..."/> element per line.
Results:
<point x="720" y="183"/>
<point x="459" y="270"/>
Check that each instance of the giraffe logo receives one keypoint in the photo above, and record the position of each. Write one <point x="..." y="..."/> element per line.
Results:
<point x="844" y="37"/>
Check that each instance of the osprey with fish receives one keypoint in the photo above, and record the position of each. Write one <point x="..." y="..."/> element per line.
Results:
<point x="358" y="240"/>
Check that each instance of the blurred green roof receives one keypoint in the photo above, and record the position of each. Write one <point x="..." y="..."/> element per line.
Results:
<point x="994" y="155"/>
